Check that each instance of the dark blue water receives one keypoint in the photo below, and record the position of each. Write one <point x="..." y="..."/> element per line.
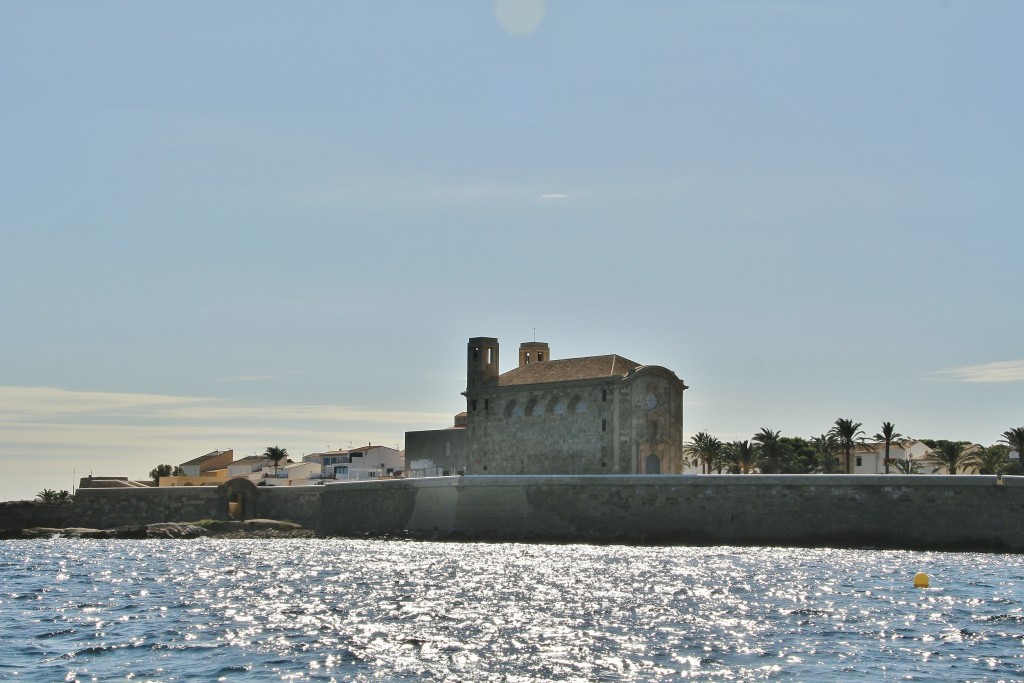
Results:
<point x="327" y="610"/>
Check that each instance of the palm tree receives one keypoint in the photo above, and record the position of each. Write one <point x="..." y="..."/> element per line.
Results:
<point x="47" y="496"/>
<point x="887" y="435"/>
<point x="846" y="432"/>
<point x="907" y="466"/>
<point x="276" y="454"/>
<point x="707" y="450"/>
<point x="773" y="453"/>
<point x="1014" y="438"/>
<point x="991" y="460"/>
<point x="742" y="457"/>
<point x="827" y="449"/>
<point x="949" y="454"/>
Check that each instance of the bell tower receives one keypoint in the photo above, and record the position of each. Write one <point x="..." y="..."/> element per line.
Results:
<point x="481" y="364"/>
<point x="533" y="352"/>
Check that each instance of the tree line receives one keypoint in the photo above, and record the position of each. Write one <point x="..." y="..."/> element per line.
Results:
<point x="768" y="452"/>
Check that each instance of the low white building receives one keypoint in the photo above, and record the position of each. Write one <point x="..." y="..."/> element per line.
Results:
<point x="291" y="474"/>
<point x="358" y="464"/>
<point x="870" y="458"/>
<point x="250" y="467"/>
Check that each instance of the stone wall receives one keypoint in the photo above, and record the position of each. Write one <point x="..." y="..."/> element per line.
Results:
<point x="914" y="512"/>
<point x="299" y="504"/>
<point x="608" y="425"/>
<point x="103" y="508"/>
<point x="107" y="508"/>
<point x="933" y="512"/>
<point x="23" y="514"/>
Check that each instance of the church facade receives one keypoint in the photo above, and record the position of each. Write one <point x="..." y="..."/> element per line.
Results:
<point x="591" y="415"/>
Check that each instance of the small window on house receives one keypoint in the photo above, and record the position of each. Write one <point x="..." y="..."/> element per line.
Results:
<point x="487" y="404"/>
<point x="540" y="356"/>
<point x="472" y="405"/>
<point x="604" y="395"/>
<point x="604" y="425"/>
<point x="859" y="463"/>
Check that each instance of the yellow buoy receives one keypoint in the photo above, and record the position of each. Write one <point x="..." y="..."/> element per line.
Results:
<point x="920" y="580"/>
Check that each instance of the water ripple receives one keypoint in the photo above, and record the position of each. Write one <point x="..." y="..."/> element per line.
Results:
<point x="326" y="610"/>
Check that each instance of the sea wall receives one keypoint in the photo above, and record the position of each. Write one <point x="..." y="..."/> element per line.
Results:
<point x="893" y="511"/>
<point x="21" y="514"/>
<point x="107" y="508"/>
<point x="918" y="511"/>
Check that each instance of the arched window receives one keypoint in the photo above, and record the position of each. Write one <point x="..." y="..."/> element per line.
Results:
<point x="552" y="404"/>
<point x="534" y="408"/>
<point x="652" y="465"/>
<point x="513" y="410"/>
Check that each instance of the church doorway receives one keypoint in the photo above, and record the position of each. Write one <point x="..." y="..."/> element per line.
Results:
<point x="652" y="465"/>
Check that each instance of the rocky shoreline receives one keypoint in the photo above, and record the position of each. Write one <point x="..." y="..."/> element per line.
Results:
<point x="253" y="528"/>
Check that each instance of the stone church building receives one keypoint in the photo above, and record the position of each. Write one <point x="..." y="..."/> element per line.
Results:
<point x="592" y="415"/>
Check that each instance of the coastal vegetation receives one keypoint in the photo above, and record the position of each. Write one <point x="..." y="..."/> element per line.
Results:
<point x="275" y="454"/>
<point x="887" y="436"/>
<point x="769" y="452"/>
<point x="847" y="433"/>
<point x="54" y="497"/>
<point x="166" y="471"/>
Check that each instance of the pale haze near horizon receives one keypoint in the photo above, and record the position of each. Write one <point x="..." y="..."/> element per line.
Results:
<point x="235" y="225"/>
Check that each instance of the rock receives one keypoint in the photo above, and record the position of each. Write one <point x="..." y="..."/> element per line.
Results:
<point x="173" y="530"/>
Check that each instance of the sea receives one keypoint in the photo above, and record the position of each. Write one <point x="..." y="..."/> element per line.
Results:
<point x="387" y="610"/>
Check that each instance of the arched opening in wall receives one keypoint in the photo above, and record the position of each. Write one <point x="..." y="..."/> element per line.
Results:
<point x="240" y="498"/>
<point x="652" y="465"/>
<point x="236" y="504"/>
<point x="577" y="405"/>
<point x="533" y="408"/>
<point x="552" y="404"/>
<point x="561" y="405"/>
<point x="511" y="408"/>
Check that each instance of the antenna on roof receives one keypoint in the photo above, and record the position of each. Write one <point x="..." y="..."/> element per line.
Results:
<point x="535" y="334"/>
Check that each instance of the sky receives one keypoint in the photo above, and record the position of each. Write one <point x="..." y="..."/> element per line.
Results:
<point x="242" y="224"/>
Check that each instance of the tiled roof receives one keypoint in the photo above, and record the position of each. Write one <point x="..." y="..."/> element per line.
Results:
<point x="568" y="370"/>
<point x="250" y="459"/>
<point x="203" y="458"/>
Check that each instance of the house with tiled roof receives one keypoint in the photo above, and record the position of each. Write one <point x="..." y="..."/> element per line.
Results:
<point x="591" y="415"/>
<point x="205" y="465"/>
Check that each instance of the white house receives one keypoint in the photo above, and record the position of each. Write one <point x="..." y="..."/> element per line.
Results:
<point x="291" y="474"/>
<point x="356" y="464"/>
<point x="250" y="467"/>
<point x="870" y="458"/>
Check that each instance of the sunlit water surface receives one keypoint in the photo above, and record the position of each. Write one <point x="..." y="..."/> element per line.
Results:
<point x="377" y="610"/>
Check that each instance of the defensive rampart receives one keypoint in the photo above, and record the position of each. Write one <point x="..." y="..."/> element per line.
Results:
<point x="919" y="511"/>
<point x="894" y="511"/>
<point x="108" y="508"/>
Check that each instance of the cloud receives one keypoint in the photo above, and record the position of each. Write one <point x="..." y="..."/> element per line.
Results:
<point x="36" y="404"/>
<point x="989" y="373"/>
<point x="127" y="434"/>
<point x="553" y="197"/>
<point x="45" y="402"/>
